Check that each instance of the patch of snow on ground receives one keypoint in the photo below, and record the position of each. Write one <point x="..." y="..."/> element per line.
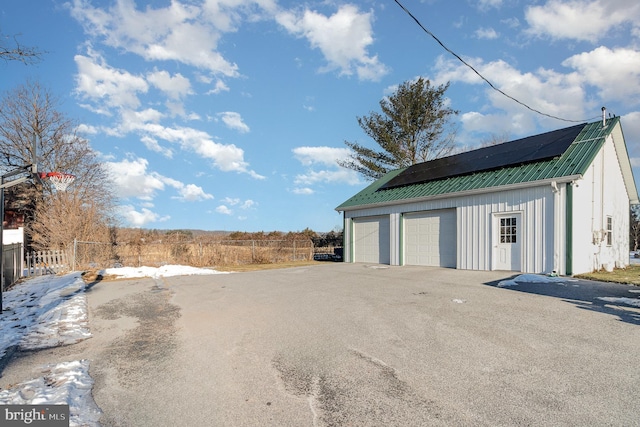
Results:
<point x="532" y="278"/>
<point x="629" y="301"/>
<point x="44" y="312"/>
<point x="66" y="383"/>
<point x="51" y="311"/>
<point x="153" y="272"/>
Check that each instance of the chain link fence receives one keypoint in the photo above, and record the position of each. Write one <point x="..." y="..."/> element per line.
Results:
<point x="197" y="254"/>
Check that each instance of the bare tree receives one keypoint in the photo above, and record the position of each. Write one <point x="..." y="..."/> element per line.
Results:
<point x="634" y="235"/>
<point x="12" y="50"/>
<point x="28" y="114"/>
<point x="495" y="139"/>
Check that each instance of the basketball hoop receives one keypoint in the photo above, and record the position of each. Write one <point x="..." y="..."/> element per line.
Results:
<point x="59" y="180"/>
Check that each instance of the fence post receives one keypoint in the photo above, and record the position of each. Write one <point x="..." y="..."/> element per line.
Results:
<point x="253" y="251"/>
<point x="75" y="249"/>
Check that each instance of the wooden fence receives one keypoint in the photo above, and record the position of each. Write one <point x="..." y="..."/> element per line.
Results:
<point x="39" y="263"/>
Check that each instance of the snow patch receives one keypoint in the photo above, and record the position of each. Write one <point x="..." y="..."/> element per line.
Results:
<point x="50" y="311"/>
<point x="629" y="301"/>
<point x="153" y="272"/>
<point x="532" y="278"/>
<point x="65" y="383"/>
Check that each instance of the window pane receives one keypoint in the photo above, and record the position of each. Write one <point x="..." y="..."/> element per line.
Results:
<point x="501" y="239"/>
<point x="513" y="221"/>
<point x="513" y="239"/>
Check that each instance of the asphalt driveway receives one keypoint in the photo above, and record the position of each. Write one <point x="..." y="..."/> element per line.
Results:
<point x="359" y="345"/>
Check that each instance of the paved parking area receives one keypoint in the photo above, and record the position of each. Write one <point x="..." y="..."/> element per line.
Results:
<point x="360" y="345"/>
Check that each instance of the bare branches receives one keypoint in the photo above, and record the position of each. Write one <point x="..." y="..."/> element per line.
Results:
<point x="14" y="51"/>
<point x="28" y="114"/>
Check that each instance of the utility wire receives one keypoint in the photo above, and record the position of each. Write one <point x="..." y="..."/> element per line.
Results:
<point x="480" y="75"/>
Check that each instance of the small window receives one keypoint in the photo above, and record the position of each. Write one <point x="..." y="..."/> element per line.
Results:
<point x="609" y="231"/>
<point x="508" y="230"/>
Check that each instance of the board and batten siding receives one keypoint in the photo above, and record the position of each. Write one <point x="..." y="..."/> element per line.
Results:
<point x="601" y="193"/>
<point x="475" y="226"/>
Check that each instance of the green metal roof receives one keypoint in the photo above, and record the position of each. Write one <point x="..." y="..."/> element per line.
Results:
<point x="574" y="161"/>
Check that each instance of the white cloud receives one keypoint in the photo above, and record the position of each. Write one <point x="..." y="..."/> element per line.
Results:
<point x="140" y="218"/>
<point x="342" y="176"/>
<point x="586" y="20"/>
<point x="176" y="87"/>
<point x="193" y="193"/>
<point x="106" y="85"/>
<point x="178" y="32"/>
<point x="487" y="4"/>
<point x="234" y="121"/>
<point x="153" y="145"/>
<point x="227" y="158"/>
<point x="343" y="38"/>
<point x="222" y="209"/>
<point x="247" y="204"/>
<point x="220" y="86"/>
<point x="620" y="82"/>
<point x="486" y="33"/>
<point x="132" y="179"/>
<point x="305" y="191"/>
<point x="324" y="155"/>
<point x="230" y="201"/>
<point x="546" y="90"/>
<point x="87" y="129"/>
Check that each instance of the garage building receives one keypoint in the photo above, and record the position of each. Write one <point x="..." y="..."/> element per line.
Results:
<point x="555" y="202"/>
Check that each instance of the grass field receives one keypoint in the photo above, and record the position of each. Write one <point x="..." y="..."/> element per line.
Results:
<point x="630" y="275"/>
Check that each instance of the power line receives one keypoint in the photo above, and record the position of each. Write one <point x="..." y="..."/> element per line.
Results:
<point x="480" y="75"/>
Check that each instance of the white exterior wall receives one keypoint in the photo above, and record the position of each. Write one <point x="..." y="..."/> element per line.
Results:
<point x="475" y="226"/>
<point x="599" y="194"/>
<point x="10" y="236"/>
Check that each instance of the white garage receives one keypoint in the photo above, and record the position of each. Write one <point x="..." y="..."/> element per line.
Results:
<point x="557" y="202"/>
<point x="430" y="238"/>
<point x="371" y="239"/>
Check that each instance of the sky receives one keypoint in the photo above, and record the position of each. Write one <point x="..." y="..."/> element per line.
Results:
<point x="231" y="114"/>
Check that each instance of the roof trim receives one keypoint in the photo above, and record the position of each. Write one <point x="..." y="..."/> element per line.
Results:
<point x="625" y="163"/>
<point x="475" y="192"/>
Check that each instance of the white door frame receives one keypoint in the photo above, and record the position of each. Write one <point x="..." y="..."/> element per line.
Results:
<point x="507" y="255"/>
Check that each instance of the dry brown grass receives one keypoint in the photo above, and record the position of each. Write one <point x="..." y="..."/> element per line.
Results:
<point x="256" y="267"/>
<point x="629" y="275"/>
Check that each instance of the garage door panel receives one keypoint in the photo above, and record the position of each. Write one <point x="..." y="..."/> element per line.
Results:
<point x="372" y="240"/>
<point x="430" y="238"/>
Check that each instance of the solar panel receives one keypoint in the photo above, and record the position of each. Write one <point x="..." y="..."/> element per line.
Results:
<point x="521" y="151"/>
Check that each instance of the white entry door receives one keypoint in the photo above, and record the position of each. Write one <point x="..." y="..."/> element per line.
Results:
<point x="508" y="242"/>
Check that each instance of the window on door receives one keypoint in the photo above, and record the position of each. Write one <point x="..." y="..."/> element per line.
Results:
<point x="609" y="231"/>
<point x="508" y="230"/>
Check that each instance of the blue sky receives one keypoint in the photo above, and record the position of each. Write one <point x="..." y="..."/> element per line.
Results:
<point x="230" y="114"/>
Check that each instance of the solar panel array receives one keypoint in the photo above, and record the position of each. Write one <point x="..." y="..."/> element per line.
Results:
<point x="519" y="152"/>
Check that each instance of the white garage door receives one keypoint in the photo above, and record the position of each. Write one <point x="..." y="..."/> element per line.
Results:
<point x="430" y="238"/>
<point x="371" y="240"/>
